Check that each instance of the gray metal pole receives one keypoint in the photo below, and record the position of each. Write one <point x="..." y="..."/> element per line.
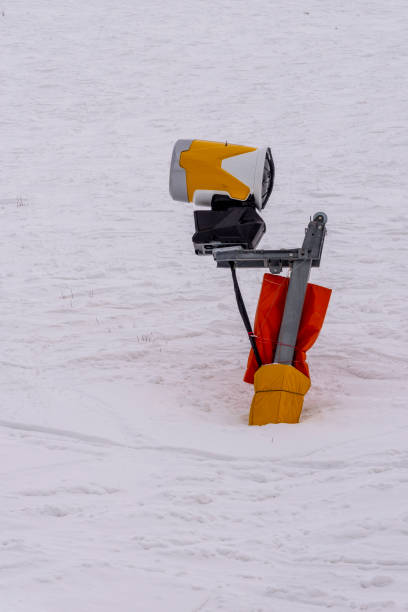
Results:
<point x="293" y="311"/>
<point x="311" y="249"/>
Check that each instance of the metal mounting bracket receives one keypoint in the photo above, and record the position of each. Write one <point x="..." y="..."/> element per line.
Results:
<point x="300" y="261"/>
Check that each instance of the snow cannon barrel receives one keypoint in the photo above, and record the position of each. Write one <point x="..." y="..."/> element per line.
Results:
<point x="207" y="173"/>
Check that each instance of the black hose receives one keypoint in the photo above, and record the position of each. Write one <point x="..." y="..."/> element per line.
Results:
<point x="244" y="314"/>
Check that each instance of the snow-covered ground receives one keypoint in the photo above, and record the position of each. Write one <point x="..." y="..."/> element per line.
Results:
<point x="130" y="480"/>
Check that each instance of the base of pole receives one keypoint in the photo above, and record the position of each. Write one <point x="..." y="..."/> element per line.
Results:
<point x="279" y="394"/>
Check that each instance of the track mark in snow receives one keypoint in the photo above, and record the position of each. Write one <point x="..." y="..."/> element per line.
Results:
<point x="77" y="490"/>
<point x="107" y="442"/>
<point x="61" y="433"/>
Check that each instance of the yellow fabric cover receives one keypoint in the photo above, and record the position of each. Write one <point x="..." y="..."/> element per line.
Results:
<point x="279" y="393"/>
<point x="202" y="163"/>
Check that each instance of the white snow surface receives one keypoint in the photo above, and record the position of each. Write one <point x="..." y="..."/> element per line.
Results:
<point x="130" y="480"/>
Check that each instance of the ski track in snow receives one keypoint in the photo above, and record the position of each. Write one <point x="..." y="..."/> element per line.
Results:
<point x="130" y="479"/>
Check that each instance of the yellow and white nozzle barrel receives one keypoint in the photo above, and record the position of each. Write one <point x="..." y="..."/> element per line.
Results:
<point x="201" y="169"/>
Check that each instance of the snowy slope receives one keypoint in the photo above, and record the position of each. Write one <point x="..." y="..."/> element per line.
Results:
<point x="130" y="480"/>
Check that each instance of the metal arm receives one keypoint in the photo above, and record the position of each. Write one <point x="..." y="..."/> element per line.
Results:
<point x="275" y="260"/>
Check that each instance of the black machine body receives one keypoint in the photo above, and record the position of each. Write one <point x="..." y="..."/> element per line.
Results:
<point x="227" y="226"/>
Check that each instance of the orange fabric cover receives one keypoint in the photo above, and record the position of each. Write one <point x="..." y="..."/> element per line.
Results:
<point x="268" y="319"/>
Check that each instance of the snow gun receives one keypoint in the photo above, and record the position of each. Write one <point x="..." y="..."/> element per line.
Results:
<point x="234" y="183"/>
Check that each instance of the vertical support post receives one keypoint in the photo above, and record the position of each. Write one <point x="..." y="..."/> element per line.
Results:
<point x="293" y="311"/>
<point x="311" y="250"/>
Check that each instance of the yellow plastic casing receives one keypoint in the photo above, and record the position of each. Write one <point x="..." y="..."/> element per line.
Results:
<point x="279" y="394"/>
<point x="202" y="163"/>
